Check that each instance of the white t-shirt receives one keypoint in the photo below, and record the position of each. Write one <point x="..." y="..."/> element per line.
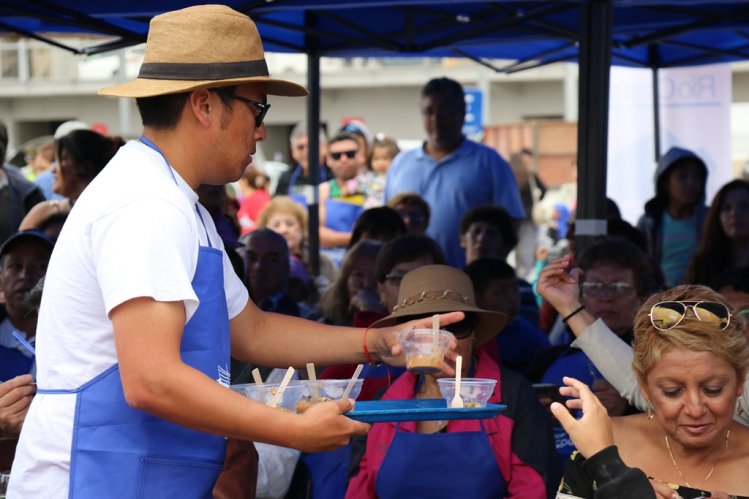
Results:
<point x="134" y="232"/>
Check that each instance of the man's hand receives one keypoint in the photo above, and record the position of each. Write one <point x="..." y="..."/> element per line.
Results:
<point x="384" y="342"/>
<point x="15" y="397"/>
<point x="559" y="287"/>
<point x="592" y="433"/>
<point x="324" y="428"/>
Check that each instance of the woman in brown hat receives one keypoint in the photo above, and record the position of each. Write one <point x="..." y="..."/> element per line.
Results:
<point x="507" y="456"/>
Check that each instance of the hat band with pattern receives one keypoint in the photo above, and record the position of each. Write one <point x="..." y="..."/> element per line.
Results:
<point x="202" y="71"/>
<point x="432" y="295"/>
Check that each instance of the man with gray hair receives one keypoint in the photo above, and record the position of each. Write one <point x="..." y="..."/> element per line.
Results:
<point x="295" y="181"/>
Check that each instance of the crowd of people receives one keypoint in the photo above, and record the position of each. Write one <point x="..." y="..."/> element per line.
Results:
<point x="166" y="268"/>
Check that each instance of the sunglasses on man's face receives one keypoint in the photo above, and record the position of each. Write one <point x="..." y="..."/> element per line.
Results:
<point x="349" y="154"/>
<point x="669" y="314"/>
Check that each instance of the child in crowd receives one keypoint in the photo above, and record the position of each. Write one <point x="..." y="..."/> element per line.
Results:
<point x="381" y="153"/>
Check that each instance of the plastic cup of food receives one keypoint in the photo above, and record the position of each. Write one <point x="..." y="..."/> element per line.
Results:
<point x="263" y="394"/>
<point x="475" y="392"/>
<point x="323" y="390"/>
<point x="424" y="353"/>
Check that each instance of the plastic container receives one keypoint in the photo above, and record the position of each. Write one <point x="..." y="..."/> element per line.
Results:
<point x="475" y="392"/>
<point x="423" y="354"/>
<point x="323" y="390"/>
<point x="289" y="399"/>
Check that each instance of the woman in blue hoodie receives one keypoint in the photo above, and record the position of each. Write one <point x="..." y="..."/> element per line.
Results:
<point x="672" y="222"/>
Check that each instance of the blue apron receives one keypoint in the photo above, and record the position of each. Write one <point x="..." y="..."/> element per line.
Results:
<point x="295" y="192"/>
<point x="440" y="465"/>
<point x="13" y="363"/>
<point x="340" y="215"/>
<point x="118" y="451"/>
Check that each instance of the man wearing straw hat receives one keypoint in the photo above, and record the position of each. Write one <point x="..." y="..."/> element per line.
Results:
<point x="141" y="306"/>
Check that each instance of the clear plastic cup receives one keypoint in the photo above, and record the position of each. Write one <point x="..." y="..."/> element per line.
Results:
<point x="323" y="390"/>
<point x="475" y="392"/>
<point x="289" y="399"/>
<point x="424" y="353"/>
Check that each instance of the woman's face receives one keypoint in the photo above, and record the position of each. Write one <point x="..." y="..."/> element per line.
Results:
<point x="290" y="228"/>
<point x="614" y="303"/>
<point x="65" y="175"/>
<point x="362" y="276"/>
<point x="388" y="290"/>
<point x="693" y="395"/>
<point x="734" y="214"/>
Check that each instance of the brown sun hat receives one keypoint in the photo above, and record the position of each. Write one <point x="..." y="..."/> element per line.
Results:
<point x="201" y="47"/>
<point x="439" y="289"/>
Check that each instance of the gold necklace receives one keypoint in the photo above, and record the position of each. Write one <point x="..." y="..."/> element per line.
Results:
<point x="709" y="474"/>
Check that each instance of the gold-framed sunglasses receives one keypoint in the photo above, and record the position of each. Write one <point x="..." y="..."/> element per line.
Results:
<point x="669" y="314"/>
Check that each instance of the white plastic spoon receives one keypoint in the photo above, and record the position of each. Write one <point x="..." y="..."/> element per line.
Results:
<point x="256" y="376"/>
<point x="457" y="401"/>
<point x="314" y="387"/>
<point x="277" y="397"/>
<point x="351" y="382"/>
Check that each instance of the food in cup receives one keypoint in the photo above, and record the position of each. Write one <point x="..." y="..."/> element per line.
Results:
<point x="424" y="350"/>
<point x="475" y="392"/>
<point x="323" y="390"/>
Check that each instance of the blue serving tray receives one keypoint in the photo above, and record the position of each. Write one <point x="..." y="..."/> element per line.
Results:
<point x="380" y="411"/>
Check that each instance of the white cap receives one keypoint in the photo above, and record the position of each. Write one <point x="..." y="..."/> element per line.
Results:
<point x="70" y="126"/>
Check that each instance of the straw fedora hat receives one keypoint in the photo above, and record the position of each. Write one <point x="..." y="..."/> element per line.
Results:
<point x="200" y="47"/>
<point x="439" y="289"/>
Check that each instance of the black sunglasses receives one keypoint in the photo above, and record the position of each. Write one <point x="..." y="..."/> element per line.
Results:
<point x="464" y="328"/>
<point x="349" y="154"/>
<point x="259" y="109"/>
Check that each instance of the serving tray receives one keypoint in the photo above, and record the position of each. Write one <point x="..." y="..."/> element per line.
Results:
<point x="380" y="411"/>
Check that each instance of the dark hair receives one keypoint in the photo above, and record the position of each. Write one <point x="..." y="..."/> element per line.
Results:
<point x="623" y="254"/>
<point x="163" y="111"/>
<point x="406" y="248"/>
<point x="411" y="199"/>
<point x="91" y="151"/>
<point x="737" y="279"/>
<point x="618" y="227"/>
<point x="381" y="223"/>
<point x="445" y="87"/>
<point x="495" y="216"/>
<point x="341" y="136"/>
<point x="714" y="253"/>
<point x="484" y="270"/>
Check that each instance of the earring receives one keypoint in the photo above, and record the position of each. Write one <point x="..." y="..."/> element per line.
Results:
<point x="651" y="413"/>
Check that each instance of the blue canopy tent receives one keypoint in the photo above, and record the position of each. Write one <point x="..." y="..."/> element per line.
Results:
<point x="596" y="33"/>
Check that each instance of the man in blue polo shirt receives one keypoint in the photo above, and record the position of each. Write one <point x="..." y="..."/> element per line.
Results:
<point x="452" y="173"/>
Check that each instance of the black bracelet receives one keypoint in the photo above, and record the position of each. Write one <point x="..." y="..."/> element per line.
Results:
<point x="573" y="313"/>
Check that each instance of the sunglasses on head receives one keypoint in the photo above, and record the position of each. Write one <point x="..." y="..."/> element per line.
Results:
<point x="669" y="314"/>
<point x="349" y="154"/>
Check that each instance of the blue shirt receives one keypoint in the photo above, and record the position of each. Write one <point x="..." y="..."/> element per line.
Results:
<point x="470" y="176"/>
<point x="679" y="244"/>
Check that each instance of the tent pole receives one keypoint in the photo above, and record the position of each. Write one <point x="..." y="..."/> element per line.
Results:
<point x="592" y="146"/>
<point x="313" y="137"/>
<point x="654" y="63"/>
